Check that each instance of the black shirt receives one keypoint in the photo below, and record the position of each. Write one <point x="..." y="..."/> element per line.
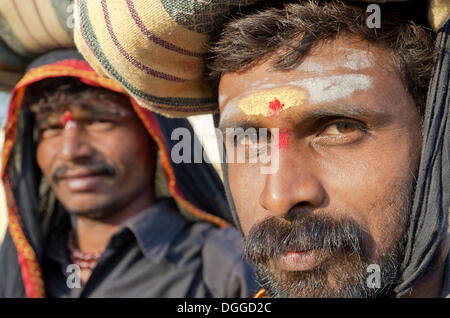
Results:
<point x="157" y="253"/>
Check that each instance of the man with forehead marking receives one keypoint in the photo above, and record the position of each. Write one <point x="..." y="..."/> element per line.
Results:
<point x="340" y="204"/>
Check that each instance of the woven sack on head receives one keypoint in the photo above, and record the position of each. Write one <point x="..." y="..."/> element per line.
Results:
<point x="154" y="48"/>
<point x="29" y="28"/>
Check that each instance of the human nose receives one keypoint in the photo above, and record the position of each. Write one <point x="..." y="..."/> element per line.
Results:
<point x="73" y="143"/>
<point x="295" y="183"/>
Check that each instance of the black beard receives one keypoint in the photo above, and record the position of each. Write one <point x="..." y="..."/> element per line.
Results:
<point x="344" y="274"/>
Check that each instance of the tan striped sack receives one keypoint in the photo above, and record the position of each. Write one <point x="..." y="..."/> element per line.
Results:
<point x="29" y="28"/>
<point x="153" y="48"/>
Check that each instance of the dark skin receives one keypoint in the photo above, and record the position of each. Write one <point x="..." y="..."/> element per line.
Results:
<point x="349" y="150"/>
<point x="100" y="163"/>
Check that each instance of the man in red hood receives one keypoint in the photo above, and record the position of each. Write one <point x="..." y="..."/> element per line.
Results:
<point x="85" y="220"/>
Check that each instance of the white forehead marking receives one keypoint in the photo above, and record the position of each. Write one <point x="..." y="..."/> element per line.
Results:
<point x="309" y="66"/>
<point x="333" y="88"/>
<point x="320" y="89"/>
<point x="222" y="98"/>
<point x="357" y="59"/>
<point x="70" y="124"/>
<point x="230" y="111"/>
<point x="353" y="59"/>
<point x="329" y="88"/>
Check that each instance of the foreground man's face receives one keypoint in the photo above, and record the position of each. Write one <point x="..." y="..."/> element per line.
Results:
<point x="340" y="197"/>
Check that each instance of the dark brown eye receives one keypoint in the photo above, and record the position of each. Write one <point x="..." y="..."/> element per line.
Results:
<point x="50" y="131"/>
<point x="340" y="128"/>
<point x="99" y="125"/>
<point x="341" y="132"/>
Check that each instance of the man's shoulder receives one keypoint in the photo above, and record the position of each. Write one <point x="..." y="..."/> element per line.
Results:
<point x="211" y="239"/>
<point x="198" y="235"/>
<point x="216" y="252"/>
<point x="225" y="270"/>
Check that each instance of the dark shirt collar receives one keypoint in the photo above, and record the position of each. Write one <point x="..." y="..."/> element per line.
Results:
<point x="156" y="227"/>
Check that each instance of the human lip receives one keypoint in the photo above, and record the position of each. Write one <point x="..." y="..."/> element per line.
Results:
<point x="300" y="260"/>
<point x="82" y="180"/>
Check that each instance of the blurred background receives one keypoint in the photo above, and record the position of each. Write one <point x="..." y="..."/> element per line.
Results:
<point x="4" y="98"/>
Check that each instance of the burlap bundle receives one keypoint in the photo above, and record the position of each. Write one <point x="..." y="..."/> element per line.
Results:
<point x="153" y="48"/>
<point x="28" y="29"/>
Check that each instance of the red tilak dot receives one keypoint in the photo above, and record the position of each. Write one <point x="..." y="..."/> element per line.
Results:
<point x="283" y="138"/>
<point x="67" y="116"/>
<point x="275" y="107"/>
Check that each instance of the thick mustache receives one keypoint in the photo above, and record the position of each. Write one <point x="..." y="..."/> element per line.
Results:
<point x="99" y="168"/>
<point x="275" y="236"/>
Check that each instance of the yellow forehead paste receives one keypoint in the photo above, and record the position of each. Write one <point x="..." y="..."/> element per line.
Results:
<point x="271" y="101"/>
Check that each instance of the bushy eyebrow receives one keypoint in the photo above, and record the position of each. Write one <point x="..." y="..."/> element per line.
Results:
<point x="360" y="112"/>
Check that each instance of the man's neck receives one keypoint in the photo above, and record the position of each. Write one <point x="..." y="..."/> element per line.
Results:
<point x="430" y="286"/>
<point x="93" y="235"/>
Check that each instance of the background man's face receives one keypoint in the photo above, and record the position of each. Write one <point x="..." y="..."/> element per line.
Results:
<point x="339" y="200"/>
<point x="99" y="162"/>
